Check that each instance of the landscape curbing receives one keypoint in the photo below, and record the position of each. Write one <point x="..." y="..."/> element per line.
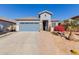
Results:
<point x="3" y="35"/>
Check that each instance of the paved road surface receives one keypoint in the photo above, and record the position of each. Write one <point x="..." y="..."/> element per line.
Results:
<point x="34" y="43"/>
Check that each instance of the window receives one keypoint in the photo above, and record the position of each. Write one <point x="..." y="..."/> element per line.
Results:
<point x="53" y="24"/>
<point x="29" y="23"/>
<point x="1" y="26"/>
<point x="45" y="14"/>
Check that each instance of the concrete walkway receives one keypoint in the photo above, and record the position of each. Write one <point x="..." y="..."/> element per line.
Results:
<point x="34" y="43"/>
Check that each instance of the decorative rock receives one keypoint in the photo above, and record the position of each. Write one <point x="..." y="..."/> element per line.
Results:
<point x="76" y="52"/>
<point x="74" y="37"/>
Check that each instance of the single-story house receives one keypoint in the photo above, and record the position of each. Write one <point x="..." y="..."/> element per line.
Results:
<point x="76" y="18"/>
<point x="73" y="20"/>
<point x="6" y="25"/>
<point x="43" y="22"/>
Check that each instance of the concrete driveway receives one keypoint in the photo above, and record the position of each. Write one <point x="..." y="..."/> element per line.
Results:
<point x="32" y="43"/>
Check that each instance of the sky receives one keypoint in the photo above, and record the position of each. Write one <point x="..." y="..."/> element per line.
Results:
<point x="60" y="11"/>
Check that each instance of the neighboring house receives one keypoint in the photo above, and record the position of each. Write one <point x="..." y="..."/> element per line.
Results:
<point x="41" y="23"/>
<point x="74" y="20"/>
<point x="6" y="25"/>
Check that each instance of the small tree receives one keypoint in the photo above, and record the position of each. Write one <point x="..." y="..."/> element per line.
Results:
<point x="72" y="27"/>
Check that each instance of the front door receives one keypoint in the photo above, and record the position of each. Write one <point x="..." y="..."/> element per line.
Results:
<point x="45" y="25"/>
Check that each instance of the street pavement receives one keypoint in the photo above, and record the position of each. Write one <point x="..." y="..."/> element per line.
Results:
<point x="35" y="43"/>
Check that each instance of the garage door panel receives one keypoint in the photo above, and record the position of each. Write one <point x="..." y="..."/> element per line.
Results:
<point x="29" y="27"/>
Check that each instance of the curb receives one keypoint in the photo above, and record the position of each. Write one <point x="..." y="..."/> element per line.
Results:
<point x="3" y="35"/>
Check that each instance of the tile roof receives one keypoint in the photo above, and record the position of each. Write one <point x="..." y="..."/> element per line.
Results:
<point x="54" y="20"/>
<point x="75" y="17"/>
<point x="28" y="19"/>
<point x="6" y="20"/>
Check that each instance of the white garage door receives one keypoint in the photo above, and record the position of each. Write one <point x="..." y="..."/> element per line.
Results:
<point x="29" y="26"/>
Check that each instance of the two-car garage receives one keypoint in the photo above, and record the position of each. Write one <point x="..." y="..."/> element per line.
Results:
<point x="29" y="26"/>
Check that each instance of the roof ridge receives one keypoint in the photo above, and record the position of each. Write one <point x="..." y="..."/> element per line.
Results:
<point x="45" y="11"/>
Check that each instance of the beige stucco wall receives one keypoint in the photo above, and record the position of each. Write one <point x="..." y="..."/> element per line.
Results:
<point x="45" y="16"/>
